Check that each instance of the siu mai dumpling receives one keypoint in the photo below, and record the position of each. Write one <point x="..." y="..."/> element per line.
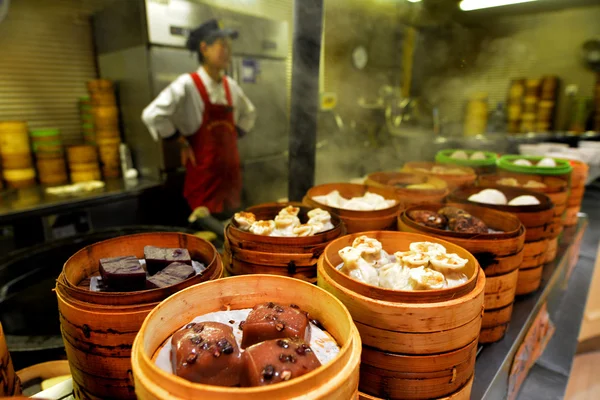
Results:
<point x="303" y="230"/>
<point x="290" y="210"/>
<point x="448" y="262"/>
<point x="244" y="220"/>
<point x="263" y="228"/>
<point x="285" y="224"/>
<point x="455" y="279"/>
<point x="422" y="278"/>
<point x="356" y="267"/>
<point x="358" y="204"/>
<point x="320" y="216"/>
<point x="371" y="251"/>
<point x="412" y="258"/>
<point x="429" y="248"/>
<point x="333" y="199"/>
<point x="394" y="276"/>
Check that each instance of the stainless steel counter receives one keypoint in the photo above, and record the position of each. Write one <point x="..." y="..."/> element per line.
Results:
<point x="34" y="201"/>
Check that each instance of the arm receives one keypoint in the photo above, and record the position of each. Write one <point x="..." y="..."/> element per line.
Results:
<point x="158" y="115"/>
<point x="246" y="113"/>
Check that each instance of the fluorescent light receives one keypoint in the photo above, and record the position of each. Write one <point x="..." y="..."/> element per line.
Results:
<point x="413" y="1"/>
<point x="469" y="5"/>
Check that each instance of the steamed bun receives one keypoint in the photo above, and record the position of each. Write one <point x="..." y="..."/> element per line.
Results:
<point x="478" y="155"/>
<point x="489" y="196"/>
<point x="547" y="162"/>
<point x="460" y="155"/>
<point x="523" y="162"/>
<point x="525" y="200"/>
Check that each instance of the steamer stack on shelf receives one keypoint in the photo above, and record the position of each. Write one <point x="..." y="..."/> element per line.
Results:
<point x="83" y="163"/>
<point x="17" y="162"/>
<point x="434" y="191"/>
<point x="106" y="125"/>
<point x="416" y="344"/>
<point x="50" y="157"/>
<point x="578" y="179"/>
<point x="87" y="120"/>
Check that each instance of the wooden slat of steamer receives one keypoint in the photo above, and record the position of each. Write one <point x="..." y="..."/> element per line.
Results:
<point x="529" y="280"/>
<point x="463" y="394"/>
<point x="413" y="343"/>
<point x="494" y="324"/>
<point x="551" y="251"/>
<point x="337" y="379"/>
<point x="492" y="335"/>
<point x="453" y="180"/>
<point x="10" y="384"/>
<point x="500" y="290"/>
<point x="235" y="267"/>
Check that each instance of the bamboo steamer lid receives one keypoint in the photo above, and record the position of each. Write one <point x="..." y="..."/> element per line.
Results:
<point x="336" y="380"/>
<point x="99" y="328"/>
<point x="82" y="154"/>
<point x="17" y="161"/>
<point x="11" y="385"/>
<point x="14" y="138"/>
<point x="85" y="176"/>
<point x="454" y="180"/>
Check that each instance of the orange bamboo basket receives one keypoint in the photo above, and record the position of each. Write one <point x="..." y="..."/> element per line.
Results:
<point x="247" y="253"/>
<point x="578" y="179"/>
<point x="454" y="180"/>
<point x="52" y="171"/>
<point x="98" y="328"/>
<point x="17" y="160"/>
<point x="462" y="394"/>
<point x="10" y="385"/>
<point x="337" y="380"/>
<point x="82" y="154"/>
<point x="399" y="180"/>
<point x="538" y="221"/>
<point x="499" y="255"/>
<point x="416" y="344"/>
<point x="357" y="221"/>
<point x="558" y="192"/>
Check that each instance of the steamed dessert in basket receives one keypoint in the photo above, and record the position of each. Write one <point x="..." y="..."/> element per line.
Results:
<point x="286" y="223"/>
<point x="267" y="344"/>
<point x="424" y="266"/>
<point x="368" y="202"/>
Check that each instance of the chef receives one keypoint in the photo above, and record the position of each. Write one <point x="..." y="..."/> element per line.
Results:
<point x="206" y="112"/>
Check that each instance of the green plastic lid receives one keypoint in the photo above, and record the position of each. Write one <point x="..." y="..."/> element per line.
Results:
<point x="44" y="132"/>
<point x="445" y="157"/>
<point x="506" y="162"/>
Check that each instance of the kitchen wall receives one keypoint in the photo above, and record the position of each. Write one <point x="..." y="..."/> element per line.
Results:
<point x="459" y="60"/>
<point x="46" y="57"/>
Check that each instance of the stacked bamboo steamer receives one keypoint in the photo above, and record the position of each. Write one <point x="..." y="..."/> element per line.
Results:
<point x="556" y="189"/>
<point x="98" y="328"/>
<point x="416" y="344"/>
<point x="336" y="380"/>
<point x="87" y="120"/>
<point x="17" y="163"/>
<point x="106" y="125"/>
<point x="357" y="221"/>
<point x="499" y="255"/>
<point x="50" y="157"/>
<point x="538" y="221"/>
<point x="410" y="188"/>
<point x="578" y="179"/>
<point x="296" y="257"/>
<point x="455" y="176"/>
<point x="10" y="385"/>
<point x="83" y="163"/>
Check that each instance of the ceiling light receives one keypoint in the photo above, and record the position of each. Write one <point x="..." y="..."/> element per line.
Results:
<point x="469" y="5"/>
<point x="413" y="1"/>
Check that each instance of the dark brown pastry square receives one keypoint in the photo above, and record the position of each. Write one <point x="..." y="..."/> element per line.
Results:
<point x="273" y="321"/>
<point x="171" y="275"/>
<point x="122" y="273"/>
<point x="158" y="258"/>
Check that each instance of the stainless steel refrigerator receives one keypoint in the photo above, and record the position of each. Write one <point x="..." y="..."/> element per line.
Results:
<point x="140" y="45"/>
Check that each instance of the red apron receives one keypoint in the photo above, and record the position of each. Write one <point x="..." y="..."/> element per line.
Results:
<point x="216" y="180"/>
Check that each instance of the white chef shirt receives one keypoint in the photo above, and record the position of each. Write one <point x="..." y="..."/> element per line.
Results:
<point x="179" y="107"/>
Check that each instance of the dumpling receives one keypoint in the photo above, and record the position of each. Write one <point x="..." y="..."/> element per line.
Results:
<point x="547" y="162"/>
<point x="358" y="204"/>
<point x="525" y="200"/>
<point x="394" y="276"/>
<point x="320" y="216"/>
<point x="285" y="224"/>
<point x="290" y="210"/>
<point x="508" y="182"/>
<point x="263" y="228"/>
<point x="448" y="262"/>
<point x="489" y="196"/>
<point x="460" y="155"/>
<point x="333" y="199"/>
<point x="303" y="230"/>
<point x="523" y="162"/>
<point x="425" y="278"/>
<point x="478" y="155"/>
<point x="245" y="220"/>
<point x="455" y="279"/>
<point x="317" y="227"/>
<point x="412" y="259"/>
<point x="356" y="267"/>
<point x="371" y="251"/>
<point x="534" y="185"/>
<point x="429" y="248"/>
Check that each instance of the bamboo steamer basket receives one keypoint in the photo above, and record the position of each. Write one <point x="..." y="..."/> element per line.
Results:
<point x="416" y="344"/>
<point x="106" y="118"/>
<point x="111" y="172"/>
<point x="499" y="254"/>
<point x="103" y="99"/>
<point x="537" y="219"/>
<point x="19" y="178"/>
<point x="571" y="216"/>
<point x="398" y="181"/>
<point x="85" y="176"/>
<point x="46" y="140"/>
<point x="578" y="179"/>
<point x="10" y="385"/>
<point x="100" y="85"/>
<point x="82" y="154"/>
<point x="107" y="133"/>
<point x="452" y="179"/>
<point x="485" y="166"/>
<point x="247" y="253"/>
<point x="14" y="138"/>
<point x="357" y="221"/>
<point x="52" y="171"/>
<point x="579" y="173"/>
<point x="83" y="167"/>
<point x="17" y="161"/>
<point x="336" y="380"/>
<point x="98" y="328"/>
<point x="462" y="394"/>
